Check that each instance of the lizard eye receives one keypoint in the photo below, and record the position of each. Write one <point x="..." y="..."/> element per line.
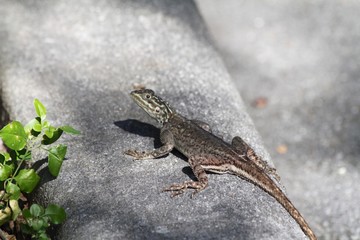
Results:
<point x="147" y="96"/>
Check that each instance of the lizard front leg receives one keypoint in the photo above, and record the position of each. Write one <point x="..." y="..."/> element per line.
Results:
<point x="168" y="141"/>
<point x="200" y="174"/>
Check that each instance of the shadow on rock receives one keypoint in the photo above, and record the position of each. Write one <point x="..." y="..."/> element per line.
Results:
<point x="140" y="128"/>
<point x="43" y="171"/>
<point x="145" y="130"/>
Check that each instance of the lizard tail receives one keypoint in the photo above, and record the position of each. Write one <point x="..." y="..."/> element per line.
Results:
<point x="279" y="195"/>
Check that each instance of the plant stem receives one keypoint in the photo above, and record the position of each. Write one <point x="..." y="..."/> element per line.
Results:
<point x="29" y="147"/>
<point x="17" y="169"/>
<point x="19" y="165"/>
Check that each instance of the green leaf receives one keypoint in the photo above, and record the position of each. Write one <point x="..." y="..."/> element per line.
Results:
<point x="5" y="171"/>
<point x="27" y="179"/>
<point x="70" y="130"/>
<point x="13" y="190"/>
<point x="43" y="236"/>
<point x="36" y="210"/>
<point x="38" y="224"/>
<point x="49" y="132"/>
<point x="45" y="124"/>
<point x="40" y="109"/>
<point x="26" y="214"/>
<point x="56" y="213"/>
<point x="4" y="156"/>
<point x="56" y="135"/>
<point x="14" y="135"/>
<point x="33" y="125"/>
<point x="37" y="127"/>
<point x="55" y="159"/>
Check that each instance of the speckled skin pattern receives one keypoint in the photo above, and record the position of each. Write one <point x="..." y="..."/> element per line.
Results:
<point x="207" y="152"/>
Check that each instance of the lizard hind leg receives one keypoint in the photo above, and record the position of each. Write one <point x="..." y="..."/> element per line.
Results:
<point x="240" y="145"/>
<point x="244" y="149"/>
<point x="202" y="124"/>
<point x="200" y="174"/>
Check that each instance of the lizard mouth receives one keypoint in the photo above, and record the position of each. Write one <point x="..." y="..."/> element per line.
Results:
<point x="140" y="102"/>
<point x="137" y="99"/>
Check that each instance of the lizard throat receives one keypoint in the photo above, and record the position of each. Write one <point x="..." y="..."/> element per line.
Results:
<point x="155" y="107"/>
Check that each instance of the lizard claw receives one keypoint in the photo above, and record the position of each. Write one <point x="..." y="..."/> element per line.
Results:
<point x="178" y="189"/>
<point x="175" y="189"/>
<point x="194" y="192"/>
<point x="133" y="153"/>
<point x="176" y="193"/>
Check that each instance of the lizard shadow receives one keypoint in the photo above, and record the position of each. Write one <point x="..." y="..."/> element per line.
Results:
<point x="145" y="130"/>
<point x="141" y="129"/>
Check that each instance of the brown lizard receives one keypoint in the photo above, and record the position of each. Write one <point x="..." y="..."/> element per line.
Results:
<point x="207" y="152"/>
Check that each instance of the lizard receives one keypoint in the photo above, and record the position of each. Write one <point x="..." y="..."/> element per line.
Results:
<point x="208" y="153"/>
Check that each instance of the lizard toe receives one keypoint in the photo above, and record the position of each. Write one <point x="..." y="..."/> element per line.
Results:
<point x="174" y="192"/>
<point x="133" y="153"/>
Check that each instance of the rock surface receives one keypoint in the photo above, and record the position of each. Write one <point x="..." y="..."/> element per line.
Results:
<point x="303" y="57"/>
<point x="81" y="58"/>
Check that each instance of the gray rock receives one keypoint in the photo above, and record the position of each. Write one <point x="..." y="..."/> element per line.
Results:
<point x="303" y="56"/>
<point x="81" y="58"/>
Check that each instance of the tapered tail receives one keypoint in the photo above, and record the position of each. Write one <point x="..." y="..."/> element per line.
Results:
<point x="279" y="195"/>
<point x="267" y="184"/>
<point x="283" y="200"/>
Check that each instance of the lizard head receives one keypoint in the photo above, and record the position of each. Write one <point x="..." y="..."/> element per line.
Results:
<point x="152" y="104"/>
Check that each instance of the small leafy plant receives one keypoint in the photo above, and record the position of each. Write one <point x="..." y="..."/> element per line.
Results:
<point x="18" y="177"/>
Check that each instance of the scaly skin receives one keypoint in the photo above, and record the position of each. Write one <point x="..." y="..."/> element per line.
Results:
<point x="207" y="152"/>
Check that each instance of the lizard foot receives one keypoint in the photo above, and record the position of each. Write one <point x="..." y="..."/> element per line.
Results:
<point x="178" y="189"/>
<point x="272" y="172"/>
<point x="134" y="153"/>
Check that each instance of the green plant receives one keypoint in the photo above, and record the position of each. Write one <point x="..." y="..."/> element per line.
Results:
<point x="18" y="177"/>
